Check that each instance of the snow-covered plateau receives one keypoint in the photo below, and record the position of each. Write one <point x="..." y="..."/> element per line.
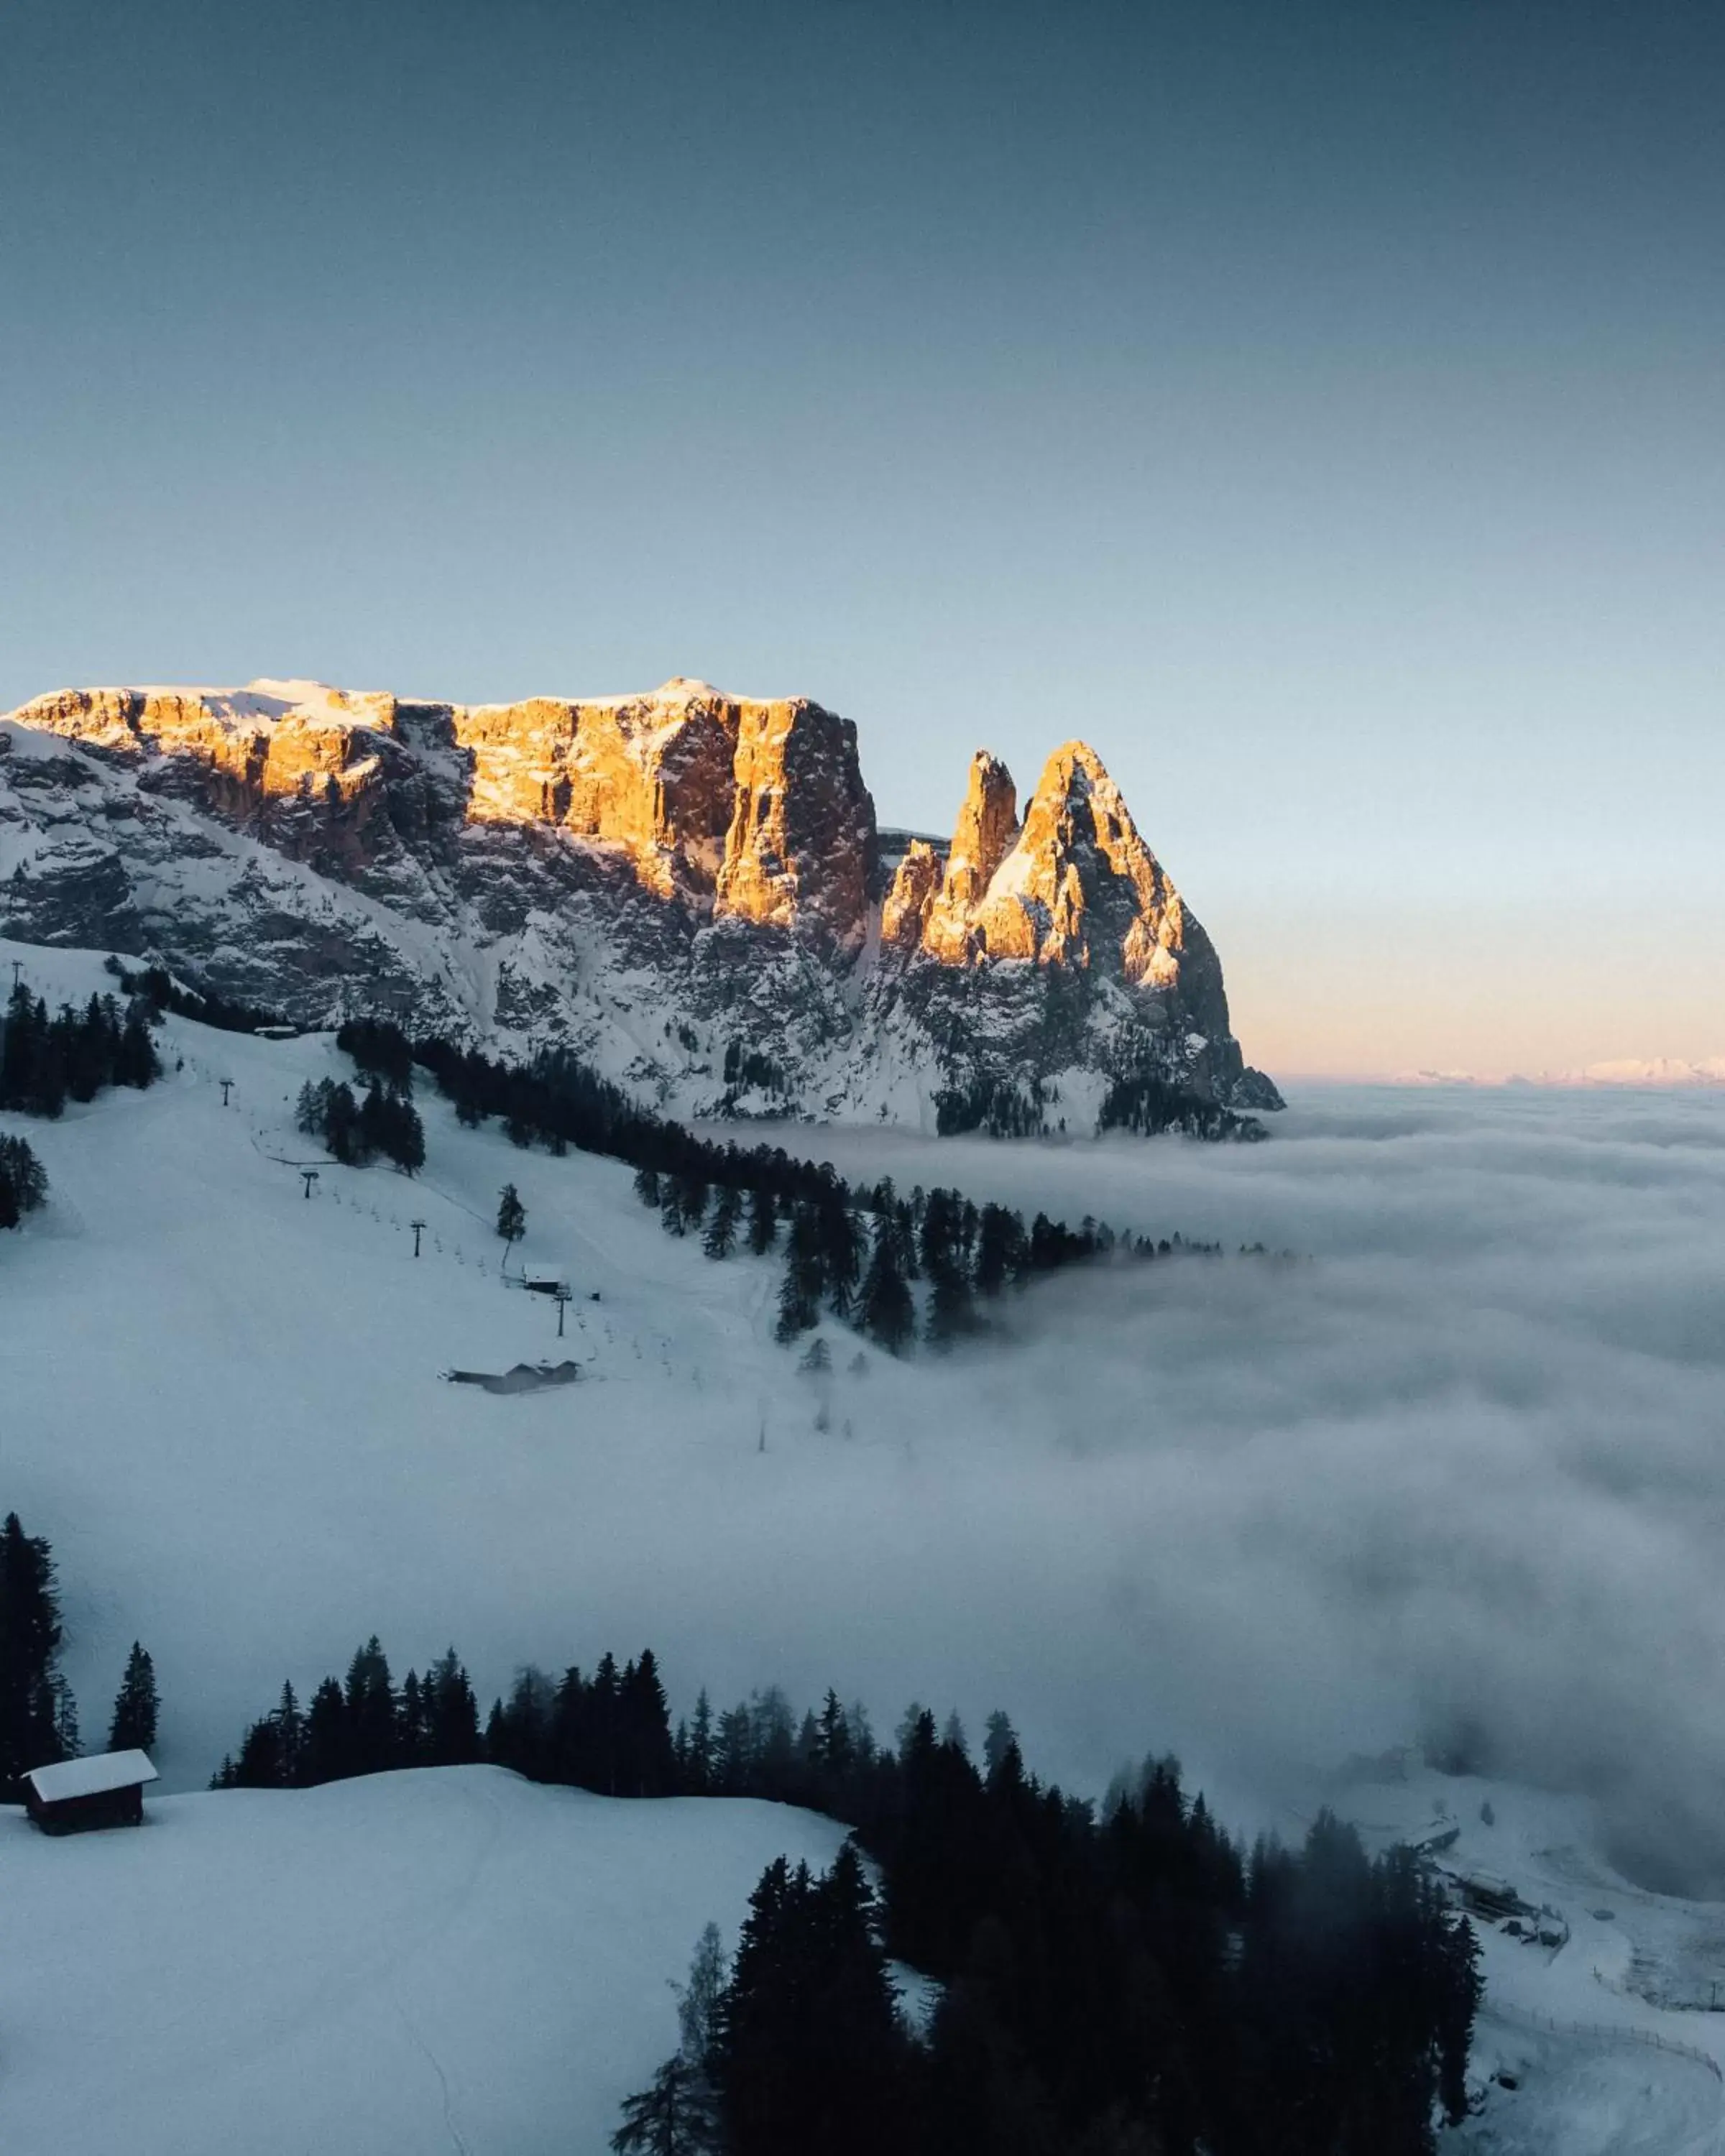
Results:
<point x="1457" y="1467"/>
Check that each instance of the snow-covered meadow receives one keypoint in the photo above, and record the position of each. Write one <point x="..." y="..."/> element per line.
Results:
<point x="455" y="1959"/>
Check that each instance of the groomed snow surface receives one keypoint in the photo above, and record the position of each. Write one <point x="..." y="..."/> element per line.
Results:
<point x="449" y="1960"/>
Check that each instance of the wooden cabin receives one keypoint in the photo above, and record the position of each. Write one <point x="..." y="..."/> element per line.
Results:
<point x="77" y="1795"/>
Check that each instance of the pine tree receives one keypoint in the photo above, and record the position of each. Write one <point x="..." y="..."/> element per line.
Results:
<point x="674" y="2116"/>
<point x="328" y="1754"/>
<point x="133" y="1726"/>
<point x="951" y="1312"/>
<point x="884" y="1309"/>
<point x="511" y="1215"/>
<point x="63" y="1713"/>
<point x="721" y="1237"/>
<point x="698" y="1762"/>
<point x="810" y="2052"/>
<point x="135" y="1062"/>
<point x="699" y="2001"/>
<point x="998" y="1737"/>
<point x="763" y="1220"/>
<point x="23" y="1184"/>
<point x="645" y="1766"/>
<point x="450" y="1713"/>
<point x="799" y="1291"/>
<point x="373" y="1724"/>
<point x="290" y="1737"/>
<point x="29" y="1649"/>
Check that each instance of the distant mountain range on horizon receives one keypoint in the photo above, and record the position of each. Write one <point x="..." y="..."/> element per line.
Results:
<point x="1650" y="1072"/>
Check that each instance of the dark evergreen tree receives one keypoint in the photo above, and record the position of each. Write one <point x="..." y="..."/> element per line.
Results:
<point x="763" y="1220"/>
<point x="675" y="2115"/>
<point x="329" y="1752"/>
<point x="371" y="1722"/>
<point x="23" y="1184"/>
<point x="884" y="1309"/>
<point x="810" y="2053"/>
<point x="721" y="1237"/>
<point x="511" y="1215"/>
<point x="799" y="1291"/>
<point x="136" y="1706"/>
<point x="451" y="1714"/>
<point x="645" y="1767"/>
<point x="31" y="1708"/>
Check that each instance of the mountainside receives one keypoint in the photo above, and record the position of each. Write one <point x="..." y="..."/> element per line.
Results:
<point x="686" y="888"/>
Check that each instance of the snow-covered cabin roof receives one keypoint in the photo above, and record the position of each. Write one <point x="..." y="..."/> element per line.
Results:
<point x="89" y="1777"/>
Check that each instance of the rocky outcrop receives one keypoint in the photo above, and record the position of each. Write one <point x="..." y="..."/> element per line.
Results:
<point x="757" y="809"/>
<point x="1060" y="944"/>
<point x="915" y="887"/>
<point x="800" y="853"/>
<point x="987" y="825"/>
<point x="682" y="886"/>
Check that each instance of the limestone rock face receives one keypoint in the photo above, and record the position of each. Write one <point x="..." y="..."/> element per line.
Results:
<point x="904" y="917"/>
<point x="801" y="847"/>
<point x="986" y="826"/>
<point x="758" y="809"/>
<point x="1081" y="887"/>
<point x="681" y="887"/>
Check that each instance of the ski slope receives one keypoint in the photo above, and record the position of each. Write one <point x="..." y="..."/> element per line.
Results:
<point x="453" y="1960"/>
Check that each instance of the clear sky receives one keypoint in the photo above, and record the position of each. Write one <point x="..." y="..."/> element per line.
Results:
<point x="1318" y="408"/>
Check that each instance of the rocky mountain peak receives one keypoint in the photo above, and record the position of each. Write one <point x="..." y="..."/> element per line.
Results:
<point x="1081" y="886"/>
<point x="1075" y="886"/>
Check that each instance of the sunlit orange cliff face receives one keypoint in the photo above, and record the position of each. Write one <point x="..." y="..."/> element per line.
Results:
<point x="754" y="809"/>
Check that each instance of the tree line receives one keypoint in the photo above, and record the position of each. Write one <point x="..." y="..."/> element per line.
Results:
<point x="1115" y="1980"/>
<point x="48" y="1058"/>
<point x="856" y="1253"/>
<point x="356" y="1131"/>
<point x="161" y="992"/>
<point x="363" y="1726"/>
<point x="38" y="1715"/>
<point x="1147" y="1106"/>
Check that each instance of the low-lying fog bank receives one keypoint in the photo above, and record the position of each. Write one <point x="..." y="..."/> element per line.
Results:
<point x="1461" y="1467"/>
<point x="1465" y="1471"/>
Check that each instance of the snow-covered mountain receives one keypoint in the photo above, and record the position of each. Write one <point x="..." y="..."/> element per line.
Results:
<point x="1639" y="1072"/>
<point x="687" y="888"/>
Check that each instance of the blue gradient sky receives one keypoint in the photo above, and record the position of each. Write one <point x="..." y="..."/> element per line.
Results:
<point x="1320" y="408"/>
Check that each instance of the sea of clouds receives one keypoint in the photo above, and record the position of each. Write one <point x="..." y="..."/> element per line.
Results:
<point x="1457" y="1470"/>
<point x="1457" y="1474"/>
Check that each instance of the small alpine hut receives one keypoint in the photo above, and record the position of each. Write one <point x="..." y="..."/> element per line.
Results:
<point x="79" y="1794"/>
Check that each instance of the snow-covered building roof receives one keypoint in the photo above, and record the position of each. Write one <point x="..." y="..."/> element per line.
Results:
<point x="89" y="1777"/>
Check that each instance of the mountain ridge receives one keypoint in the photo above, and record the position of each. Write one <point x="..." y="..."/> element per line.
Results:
<point x="687" y="887"/>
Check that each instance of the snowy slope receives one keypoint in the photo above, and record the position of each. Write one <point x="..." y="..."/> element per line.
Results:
<point x="1606" y="2037"/>
<point x="451" y="1960"/>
